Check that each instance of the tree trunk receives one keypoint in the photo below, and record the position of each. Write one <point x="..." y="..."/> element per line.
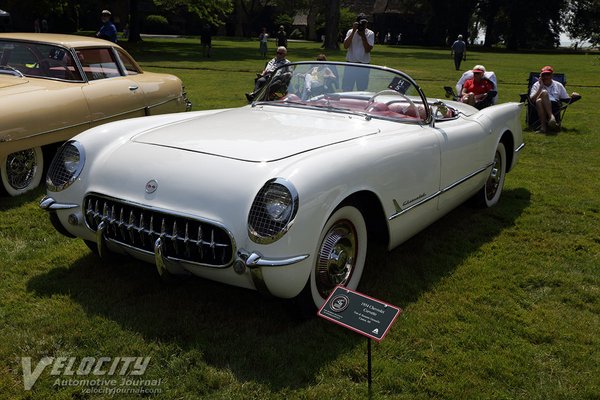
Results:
<point x="332" y="16"/>
<point x="134" y="22"/>
<point x="239" y="19"/>
<point x="311" y="22"/>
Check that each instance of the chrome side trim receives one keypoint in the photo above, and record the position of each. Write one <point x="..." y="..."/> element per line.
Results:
<point x="440" y="192"/>
<point x="521" y="146"/>
<point x="49" y="204"/>
<point x="47" y="132"/>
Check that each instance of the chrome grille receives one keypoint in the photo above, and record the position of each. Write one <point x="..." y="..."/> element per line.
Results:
<point x="184" y="238"/>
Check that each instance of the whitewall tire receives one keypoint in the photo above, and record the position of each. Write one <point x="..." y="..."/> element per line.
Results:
<point x="340" y="254"/>
<point x="22" y="171"/>
<point x="490" y="193"/>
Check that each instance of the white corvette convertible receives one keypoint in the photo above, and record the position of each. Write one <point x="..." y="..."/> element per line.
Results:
<point x="283" y="195"/>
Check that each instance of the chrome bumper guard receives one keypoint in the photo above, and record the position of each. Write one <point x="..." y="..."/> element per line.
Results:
<point x="255" y="262"/>
<point x="49" y="204"/>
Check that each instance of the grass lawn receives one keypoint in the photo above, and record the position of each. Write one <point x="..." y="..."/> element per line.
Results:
<point x="498" y="304"/>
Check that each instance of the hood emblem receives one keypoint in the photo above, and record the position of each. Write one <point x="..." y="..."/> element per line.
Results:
<point x="151" y="186"/>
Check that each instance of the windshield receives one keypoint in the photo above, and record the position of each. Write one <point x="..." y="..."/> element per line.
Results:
<point x="37" y="60"/>
<point x="349" y="88"/>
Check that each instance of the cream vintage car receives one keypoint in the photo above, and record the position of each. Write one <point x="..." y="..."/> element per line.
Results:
<point x="53" y="87"/>
<point x="285" y="194"/>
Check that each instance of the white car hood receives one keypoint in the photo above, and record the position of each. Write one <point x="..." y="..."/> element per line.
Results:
<point x="259" y="134"/>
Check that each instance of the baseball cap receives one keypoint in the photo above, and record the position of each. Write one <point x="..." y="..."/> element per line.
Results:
<point x="479" y="68"/>
<point x="106" y="12"/>
<point x="361" y="17"/>
<point x="547" y="70"/>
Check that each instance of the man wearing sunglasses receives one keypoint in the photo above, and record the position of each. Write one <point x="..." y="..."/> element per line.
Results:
<point x="272" y="65"/>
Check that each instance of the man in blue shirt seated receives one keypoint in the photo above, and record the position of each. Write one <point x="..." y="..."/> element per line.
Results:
<point x="108" y="31"/>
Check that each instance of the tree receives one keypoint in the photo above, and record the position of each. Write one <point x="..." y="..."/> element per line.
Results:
<point x="134" y="22"/>
<point x="332" y="16"/>
<point x="213" y="12"/>
<point x="583" y="21"/>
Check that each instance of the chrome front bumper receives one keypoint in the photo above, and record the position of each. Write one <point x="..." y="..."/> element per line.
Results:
<point x="253" y="261"/>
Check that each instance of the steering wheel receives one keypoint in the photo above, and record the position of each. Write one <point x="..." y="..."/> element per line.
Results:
<point x="392" y="92"/>
<point x="68" y="73"/>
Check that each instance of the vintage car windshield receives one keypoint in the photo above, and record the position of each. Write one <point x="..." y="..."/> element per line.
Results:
<point x="349" y="88"/>
<point x="37" y="60"/>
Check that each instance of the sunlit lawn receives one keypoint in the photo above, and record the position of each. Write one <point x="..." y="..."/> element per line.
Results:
<point x="498" y="304"/>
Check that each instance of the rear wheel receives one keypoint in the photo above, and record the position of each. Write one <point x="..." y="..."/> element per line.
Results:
<point x="339" y="257"/>
<point x="490" y="193"/>
<point x="22" y="171"/>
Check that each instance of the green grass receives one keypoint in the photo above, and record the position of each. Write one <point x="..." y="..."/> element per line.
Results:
<point x="498" y="304"/>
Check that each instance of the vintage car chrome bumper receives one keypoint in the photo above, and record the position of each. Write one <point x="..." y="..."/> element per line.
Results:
<point x="49" y="204"/>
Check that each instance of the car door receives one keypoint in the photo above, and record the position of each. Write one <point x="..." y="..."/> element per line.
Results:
<point x="111" y="95"/>
<point x="464" y="160"/>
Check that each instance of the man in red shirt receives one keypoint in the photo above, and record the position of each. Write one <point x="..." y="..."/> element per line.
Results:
<point x="475" y="91"/>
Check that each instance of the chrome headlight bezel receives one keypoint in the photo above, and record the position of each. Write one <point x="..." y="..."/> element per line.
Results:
<point x="60" y="174"/>
<point x="263" y="226"/>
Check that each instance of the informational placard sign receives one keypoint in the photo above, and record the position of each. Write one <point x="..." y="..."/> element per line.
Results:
<point x="363" y="314"/>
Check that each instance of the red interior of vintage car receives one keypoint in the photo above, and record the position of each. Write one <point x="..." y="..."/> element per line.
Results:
<point x="396" y="110"/>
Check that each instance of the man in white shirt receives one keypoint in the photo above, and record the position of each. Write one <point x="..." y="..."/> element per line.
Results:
<point x="546" y="94"/>
<point x="359" y="42"/>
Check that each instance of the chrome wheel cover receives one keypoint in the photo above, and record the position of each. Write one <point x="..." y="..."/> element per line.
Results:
<point x="493" y="181"/>
<point x="21" y="168"/>
<point x="337" y="257"/>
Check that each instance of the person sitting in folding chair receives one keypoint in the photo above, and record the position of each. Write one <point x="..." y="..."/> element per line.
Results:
<point x="546" y="94"/>
<point x="478" y="91"/>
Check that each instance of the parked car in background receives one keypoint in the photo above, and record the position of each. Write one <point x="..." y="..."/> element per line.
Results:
<point x="53" y="87"/>
<point x="283" y="195"/>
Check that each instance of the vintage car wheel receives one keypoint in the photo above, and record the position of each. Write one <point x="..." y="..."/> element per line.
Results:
<point x="340" y="255"/>
<point x="22" y="170"/>
<point x="490" y="193"/>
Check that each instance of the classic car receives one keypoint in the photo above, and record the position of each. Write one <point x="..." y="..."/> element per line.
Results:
<point x="283" y="195"/>
<point x="53" y="87"/>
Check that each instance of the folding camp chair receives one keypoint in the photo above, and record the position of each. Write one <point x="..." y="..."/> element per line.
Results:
<point x="492" y="95"/>
<point x="558" y="108"/>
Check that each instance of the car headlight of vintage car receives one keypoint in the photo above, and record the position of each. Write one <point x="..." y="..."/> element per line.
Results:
<point x="66" y="166"/>
<point x="273" y="211"/>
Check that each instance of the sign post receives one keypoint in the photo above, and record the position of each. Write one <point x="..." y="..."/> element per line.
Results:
<point x="362" y="314"/>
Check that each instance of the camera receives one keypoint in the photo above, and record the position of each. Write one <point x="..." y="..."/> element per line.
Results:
<point x="362" y="25"/>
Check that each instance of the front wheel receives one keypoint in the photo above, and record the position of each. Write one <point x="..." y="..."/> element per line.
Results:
<point x="489" y="195"/>
<point x="22" y="171"/>
<point x="339" y="257"/>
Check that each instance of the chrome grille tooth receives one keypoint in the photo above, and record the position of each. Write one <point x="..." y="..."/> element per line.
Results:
<point x="96" y="212"/>
<point x="131" y="226"/>
<point x="174" y="238"/>
<point x="141" y="228"/>
<point x="186" y="240"/>
<point x="121" y="222"/>
<point x="163" y="228"/>
<point x="151" y="230"/>
<point x="212" y="243"/>
<point x="105" y="211"/>
<point x="199" y="242"/>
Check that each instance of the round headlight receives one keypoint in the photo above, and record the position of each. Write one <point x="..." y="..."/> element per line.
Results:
<point x="273" y="211"/>
<point x="66" y="166"/>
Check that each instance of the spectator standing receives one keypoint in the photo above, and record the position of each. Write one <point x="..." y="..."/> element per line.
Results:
<point x="263" y="38"/>
<point x="107" y="31"/>
<point x="206" y="40"/>
<point x="262" y="78"/>
<point x="359" y="42"/>
<point x="36" y="26"/>
<point x="459" y="51"/>
<point x="282" y="37"/>
<point x="44" y="25"/>
<point x="388" y="38"/>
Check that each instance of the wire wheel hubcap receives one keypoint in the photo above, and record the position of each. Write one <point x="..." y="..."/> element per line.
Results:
<point x="20" y="168"/>
<point x="337" y="257"/>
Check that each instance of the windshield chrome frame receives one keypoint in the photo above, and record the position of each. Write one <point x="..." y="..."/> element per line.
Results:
<point x="427" y="120"/>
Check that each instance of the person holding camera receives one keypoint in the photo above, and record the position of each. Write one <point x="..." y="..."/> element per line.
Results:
<point x="359" y="42"/>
